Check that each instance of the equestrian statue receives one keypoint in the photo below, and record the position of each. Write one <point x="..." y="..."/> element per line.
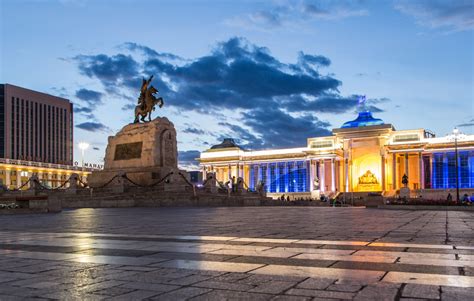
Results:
<point x="147" y="101"/>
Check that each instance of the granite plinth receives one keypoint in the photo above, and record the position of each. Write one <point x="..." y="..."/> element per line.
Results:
<point x="144" y="152"/>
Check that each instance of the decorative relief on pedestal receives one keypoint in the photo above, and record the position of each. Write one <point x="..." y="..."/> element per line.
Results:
<point x="127" y="151"/>
<point x="169" y="149"/>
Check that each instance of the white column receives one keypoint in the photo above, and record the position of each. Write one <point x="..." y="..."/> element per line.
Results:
<point x="333" y="175"/>
<point x="346" y="171"/>
<point x="311" y="175"/>
<point x="394" y="171"/>
<point x="50" y="182"/>
<point x="229" y="174"/>
<point x="29" y="174"/>
<point x="237" y="170"/>
<point x="204" y="172"/>
<point x="383" y="171"/>
<point x="322" y="176"/>
<point x="8" y="181"/>
<point x="18" y="179"/>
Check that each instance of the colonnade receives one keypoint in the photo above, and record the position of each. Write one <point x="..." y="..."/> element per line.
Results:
<point x="334" y="173"/>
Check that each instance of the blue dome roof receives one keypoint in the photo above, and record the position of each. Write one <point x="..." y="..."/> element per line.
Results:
<point x="364" y="119"/>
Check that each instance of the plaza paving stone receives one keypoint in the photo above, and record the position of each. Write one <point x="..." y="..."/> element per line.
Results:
<point x="258" y="253"/>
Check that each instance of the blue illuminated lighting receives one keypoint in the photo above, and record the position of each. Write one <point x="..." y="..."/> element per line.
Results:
<point x="444" y="170"/>
<point x="364" y="119"/>
<point x="290" y="176"/>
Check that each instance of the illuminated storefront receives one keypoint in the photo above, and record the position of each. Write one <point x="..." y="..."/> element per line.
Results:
<point x="363" y="155"/>
<point x="15" y="173"/>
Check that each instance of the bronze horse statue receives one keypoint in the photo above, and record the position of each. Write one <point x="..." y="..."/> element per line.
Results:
<point x="147" y="102"/>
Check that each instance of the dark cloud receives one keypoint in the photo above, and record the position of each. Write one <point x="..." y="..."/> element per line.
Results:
<point x="191" y="130"/>
<point x="93" y="127"/>
<point x="333" y="10"/>
<point x="292" y="12"/>
<point x="277" y="100"/>
<point x="114" y="71"/>
<point x="90" y="99"/>
<point x="454" y="15"/>
<point x="470" y="123"/>
<point x="80" y="109"/>
<point x="148" y="51"/>
<point x="89" y="96"/>
<point x="244" y="137"/>
<point x="187" y="159"/>
<point x="279" y="129"/>
<point x="96" y="148"/>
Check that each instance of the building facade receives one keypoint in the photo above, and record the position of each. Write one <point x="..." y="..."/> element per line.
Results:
<point x="36" y="137"/>
<point x="15" y="173"/>
<point x="35" y="126"/>
<point x="364" y="155"/>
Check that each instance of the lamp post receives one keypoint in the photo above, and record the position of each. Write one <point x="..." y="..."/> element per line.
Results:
<point x="83" y="146"/>
<point x="456" y="135"/>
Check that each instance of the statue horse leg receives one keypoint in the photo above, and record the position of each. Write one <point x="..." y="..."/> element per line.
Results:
<point x="136" y="116"/>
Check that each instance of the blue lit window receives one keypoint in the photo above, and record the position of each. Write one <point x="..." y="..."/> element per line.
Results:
<point x="444" y="170"/>
<point x="282" y="181"/>
<point x="272" y="180"/>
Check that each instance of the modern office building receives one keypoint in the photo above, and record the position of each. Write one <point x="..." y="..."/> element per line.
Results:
<point x="36" y="136"/>
<point x="363" y="155"/>
<point x="35" y="126"/>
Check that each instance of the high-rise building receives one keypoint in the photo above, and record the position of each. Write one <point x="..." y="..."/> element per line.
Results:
<point x="35" y="126"/>
<point x="36" y="138"/>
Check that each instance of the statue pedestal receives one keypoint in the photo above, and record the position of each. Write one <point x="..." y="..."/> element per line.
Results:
<point x="405" y="192"/>
<point x="144" y="152"/>
<point x="315" y="194"/>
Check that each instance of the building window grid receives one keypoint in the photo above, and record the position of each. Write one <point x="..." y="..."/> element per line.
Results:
<point x="272" y="180"/>
<point x="17" y="130"/>
<point x="450" y="171"/>
<point x="57" y="157"/>
<point x="464" y="177"/>
<point x="41" y="129"/>
<point x="444" y="170"/>
<point x="12" y="147"/>
<point x="282" y="183"/>
<point x="36" y="132"/>
<point x="263" y="175"/>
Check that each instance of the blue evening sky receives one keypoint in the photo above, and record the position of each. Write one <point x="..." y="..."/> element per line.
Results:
<point x="413" y="60"/>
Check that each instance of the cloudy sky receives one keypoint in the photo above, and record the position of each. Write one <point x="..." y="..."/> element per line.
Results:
<point x="268" y="73"/>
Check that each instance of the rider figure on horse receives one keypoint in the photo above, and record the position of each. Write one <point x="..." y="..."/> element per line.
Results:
<point x="147" y="101"/>
<point x="144" y="88"/>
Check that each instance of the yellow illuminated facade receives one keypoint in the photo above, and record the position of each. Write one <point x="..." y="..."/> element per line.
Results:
<point x="364" y="155"/>
<point x="14" y="173"/>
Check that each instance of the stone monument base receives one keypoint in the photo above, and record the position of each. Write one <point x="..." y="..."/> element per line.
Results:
<point x="140" y="176"/>
<point x="142" y="154"/>
<point x="405" y="192"/>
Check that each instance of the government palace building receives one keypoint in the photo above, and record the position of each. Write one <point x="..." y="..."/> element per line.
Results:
<point x="363" y="155"/>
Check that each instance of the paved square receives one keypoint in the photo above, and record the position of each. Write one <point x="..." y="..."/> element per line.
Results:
<point x="249" y="253"/>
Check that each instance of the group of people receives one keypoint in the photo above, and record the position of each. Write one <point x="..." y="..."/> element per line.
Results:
<point x="465" y="199"/>
<point x="298" y="199"/>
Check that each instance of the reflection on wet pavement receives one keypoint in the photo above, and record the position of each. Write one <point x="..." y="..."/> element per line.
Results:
<point x="194" y="253"/>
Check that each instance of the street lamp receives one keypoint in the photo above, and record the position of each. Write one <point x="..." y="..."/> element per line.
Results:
<point x="456" y="135"/>
<point x="83" y="146"/>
